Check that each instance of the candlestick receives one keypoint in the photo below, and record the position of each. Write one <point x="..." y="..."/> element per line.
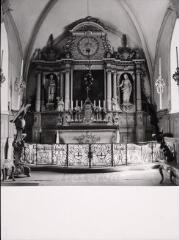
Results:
<point x="2" y="57"/>
<point x="76" y="103"/>
<point x="177" y="56"/>
<point x="57" y="137"/>
<point x="160" y="68"/>
<point x="19" y="101"/>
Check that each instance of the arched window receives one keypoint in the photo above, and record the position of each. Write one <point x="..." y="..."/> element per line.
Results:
<point x="4" y="66"/>
<point x="174" y="86"/>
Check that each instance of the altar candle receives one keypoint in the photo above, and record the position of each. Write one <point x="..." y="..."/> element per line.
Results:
<point x="19" y="101"/>
<point x="94" y="103"/>
<point x="99" y="103"/>
<point x="81" y="104"/>
<point x="72" y="104"/>
<point x="76" y="103"/>
<point x="2" y="57"/>
<point x="177" y="56"/>
<point x="160" y="68"/>
<point x="57" y="137"/>
<point x="22" y="65"/>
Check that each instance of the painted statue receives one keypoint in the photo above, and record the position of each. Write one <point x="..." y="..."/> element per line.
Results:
<point x="51" y="89"/>
<point x="126" y="88"/>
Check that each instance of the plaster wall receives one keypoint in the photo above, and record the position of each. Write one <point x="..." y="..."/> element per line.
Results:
<point x="110" y="12"/>
<point x="149" y="15"/>
<point x="26" y="18"/>
<point x="163" y="52"/>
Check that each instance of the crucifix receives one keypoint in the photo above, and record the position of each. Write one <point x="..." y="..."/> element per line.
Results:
<point x="160" y="84"/>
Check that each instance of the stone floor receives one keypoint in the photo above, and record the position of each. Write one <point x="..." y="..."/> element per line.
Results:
<point x="96" y="177"/>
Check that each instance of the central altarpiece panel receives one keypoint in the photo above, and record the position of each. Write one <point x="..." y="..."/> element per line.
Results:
<point x="82" y="91"/>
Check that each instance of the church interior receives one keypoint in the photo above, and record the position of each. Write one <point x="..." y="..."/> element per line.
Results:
<point x="84" y="80"/>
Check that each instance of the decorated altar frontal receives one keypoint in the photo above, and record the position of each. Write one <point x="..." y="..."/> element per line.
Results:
<point x="91" y="155"/>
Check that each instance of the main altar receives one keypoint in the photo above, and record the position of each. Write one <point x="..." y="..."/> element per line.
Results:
<point x="81" y="90"/>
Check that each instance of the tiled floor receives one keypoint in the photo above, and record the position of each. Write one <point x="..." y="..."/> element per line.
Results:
<point x="143" y="177"/>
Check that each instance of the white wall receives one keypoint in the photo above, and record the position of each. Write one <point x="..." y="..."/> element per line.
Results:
<point x="65" y="12"/>
<point x="174" y="87"/>
<point x="4" y="86"/>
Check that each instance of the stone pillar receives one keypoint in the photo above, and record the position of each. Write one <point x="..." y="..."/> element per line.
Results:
<point x="140" y="128"/>
<point x="108" y="90"/>
<point x="104" y="89"/>
<point x="61" y="84"/>
<point x="38" y="93"/>
<point x="58" y="85"/>
<point x="67" y="90"/>
<point x="71" y="95"/>
<point x="138" y="85"/>
<point x="114" y="85"/>
<point x="43" y="93"/>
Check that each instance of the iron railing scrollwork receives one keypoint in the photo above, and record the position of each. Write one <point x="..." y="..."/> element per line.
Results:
<point x="91" y="155"/>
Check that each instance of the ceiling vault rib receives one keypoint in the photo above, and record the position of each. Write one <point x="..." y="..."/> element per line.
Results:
<point x="141" y="36"/>
<point x="34" y="33"/>
<point x="9" y="18"/>
<point x="169" y="11"/>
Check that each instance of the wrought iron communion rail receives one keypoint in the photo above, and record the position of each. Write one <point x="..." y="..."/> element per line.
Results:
<point x="91" y="155"/>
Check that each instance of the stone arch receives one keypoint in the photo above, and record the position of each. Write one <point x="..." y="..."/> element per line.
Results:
<point x="164" y="42"/>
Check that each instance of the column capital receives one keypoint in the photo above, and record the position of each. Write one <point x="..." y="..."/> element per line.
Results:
<point x="67" y="70"/>
<point x="108" y="70"/>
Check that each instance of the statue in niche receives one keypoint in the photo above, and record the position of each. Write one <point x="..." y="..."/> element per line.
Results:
<point x="126" y="88"/>
<point x="51" y="89"/>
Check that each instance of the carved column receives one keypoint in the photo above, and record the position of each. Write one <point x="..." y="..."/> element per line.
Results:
<point x="43" y="92"/>
<point x="138" y="83"/>
<point x="58" y="84"/>
<point x="61" y="84"/>
<point x="67" y="90"/>
<point x="117" y="88"/>
<point x="114" y="85"/>
<point x="104" y="89"/>
<point x="71" y="95"/>
<point x="140" y="128"/>
<point x="108" y="90"/>
<point x="38" y="92"/>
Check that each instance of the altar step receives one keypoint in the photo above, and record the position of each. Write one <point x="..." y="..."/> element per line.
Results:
<point x="130" y="167"/>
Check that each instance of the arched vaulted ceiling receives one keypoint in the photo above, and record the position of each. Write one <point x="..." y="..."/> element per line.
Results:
<point x="141" y="20"/>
